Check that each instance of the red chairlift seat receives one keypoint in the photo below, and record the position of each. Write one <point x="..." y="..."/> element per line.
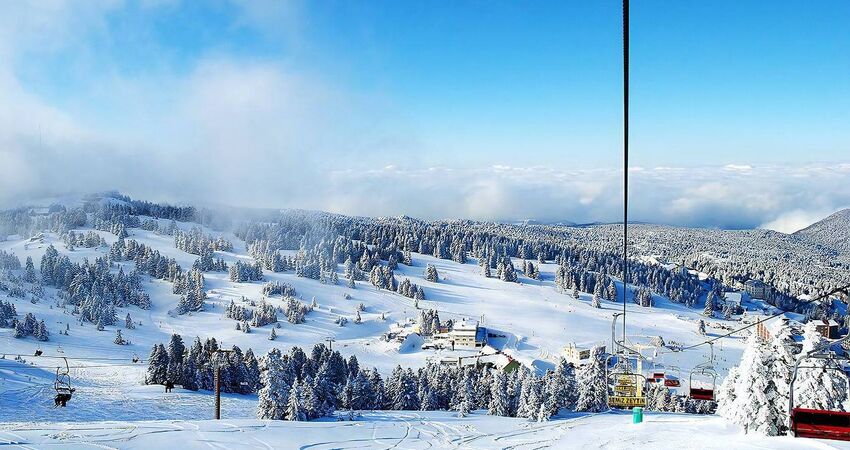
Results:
<point x="672" y="382"/>
<point x="701" y="394"/>
<point x="814" y="423"/>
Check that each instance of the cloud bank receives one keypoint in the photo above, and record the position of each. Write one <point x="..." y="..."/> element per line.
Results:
<point x="263" y="134"/>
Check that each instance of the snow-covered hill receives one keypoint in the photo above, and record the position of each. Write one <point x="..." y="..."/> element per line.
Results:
<point x="528" y="320"/>
<point x="832" y="232"/>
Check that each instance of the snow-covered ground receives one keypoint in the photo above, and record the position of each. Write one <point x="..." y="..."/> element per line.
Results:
<point x="407" y="430"/>
<point x="536" y="320"/>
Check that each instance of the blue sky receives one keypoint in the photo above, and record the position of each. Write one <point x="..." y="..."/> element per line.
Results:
<point x="460" y="85"/>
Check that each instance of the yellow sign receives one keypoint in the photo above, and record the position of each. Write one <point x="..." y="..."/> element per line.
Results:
<point x="625" y="380"/>
<point x="626" y="402"/>
<point x="625" y="390"/>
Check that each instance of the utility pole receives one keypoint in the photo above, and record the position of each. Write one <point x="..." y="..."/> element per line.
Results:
<point x="218" y="383"/>
<point x="330" y="340"/>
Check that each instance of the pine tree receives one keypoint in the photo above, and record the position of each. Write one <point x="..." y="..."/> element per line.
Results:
<point x="118" y="338"/>
<point x="709" y="305"/>
<point x="822" y="384"/>
<point x="294" y="407"/>
<point x="157" y="365"/>
<point x="594" y="301"/>
<point x="275" y="393"/>
<point x="29" y="273"/>
<point x="753" y="392"/>
<point x="727" y="394"/>
<point x="41" y="332"/>
<point x="431" y="274"/>
<point x="272" y="335"/>
<point x="593" y="388"/>
<point x="176" y="348"/>
<point x="701" y="327"/>
<point x="784" y="349"/>
<point x="563" y="388"/>
<point x="128" y="322"/>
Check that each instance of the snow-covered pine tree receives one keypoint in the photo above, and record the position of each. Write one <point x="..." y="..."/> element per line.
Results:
<point x="431" y="274"/>
<point x="727" y="394"/>
<point x="822" y="384"/>
<point x="40" y="332"/>
<point x="29" y="272"/>
<point x="295" y="410"/>
<point x="176" y="348"/>
<point x="708" y="311"/>
<point x="275" y="393"/>
<point x="784" y="349"/>
<point x="157" y="365"/>
<point x="563" y="386"/>
<point x="592" y="386"/>
<point x="191" y="362"/>
<point x="754" y="391"/>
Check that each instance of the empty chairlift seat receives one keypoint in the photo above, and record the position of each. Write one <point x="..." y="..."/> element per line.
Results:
<point x="813" y="423"/>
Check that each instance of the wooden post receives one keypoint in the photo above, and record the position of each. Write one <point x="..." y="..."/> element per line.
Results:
<point x="217" y="392"/>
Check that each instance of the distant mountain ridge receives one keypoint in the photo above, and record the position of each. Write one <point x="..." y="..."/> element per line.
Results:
<point x="832" y="232"/>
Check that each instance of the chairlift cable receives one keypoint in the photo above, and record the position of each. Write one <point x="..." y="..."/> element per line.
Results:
<point x="716" y="338"/>
<point x="77" y="358"/>
<point x="625" y="161"/>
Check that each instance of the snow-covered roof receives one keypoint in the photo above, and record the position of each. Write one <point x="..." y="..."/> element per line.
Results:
<point x="463" y="325"/>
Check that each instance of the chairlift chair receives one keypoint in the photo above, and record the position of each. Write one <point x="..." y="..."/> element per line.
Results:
<point x="816" y="423"/>
<point x="62" y="385"/>
<point x="625" y="380"/>
<point x="704" y="385"/>
<point x="673" y="381"/>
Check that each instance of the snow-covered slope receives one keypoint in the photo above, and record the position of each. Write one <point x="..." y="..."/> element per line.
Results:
<point x="537" y="323"/>
<point x="409" y="430"/>
<point x="832" y="232"/>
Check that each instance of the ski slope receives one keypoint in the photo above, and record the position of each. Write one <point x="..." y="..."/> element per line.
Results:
<point x="536" y="320"/>
<point x="407" y="430"/>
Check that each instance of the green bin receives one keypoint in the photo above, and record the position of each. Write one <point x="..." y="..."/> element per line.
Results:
<point x="637" y="414"/>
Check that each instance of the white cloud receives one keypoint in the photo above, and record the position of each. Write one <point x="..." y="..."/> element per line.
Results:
<point x="795" y="220"/>
<point x="262" y="134"/>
